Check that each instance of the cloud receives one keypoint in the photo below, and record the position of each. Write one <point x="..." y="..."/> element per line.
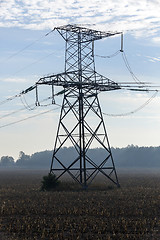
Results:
<point x="156" y="40"/>
<point x="14" y="80"/>
<point x="140" y="16"/>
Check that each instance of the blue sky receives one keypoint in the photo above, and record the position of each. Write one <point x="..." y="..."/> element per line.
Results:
<point x="27" y="54"/>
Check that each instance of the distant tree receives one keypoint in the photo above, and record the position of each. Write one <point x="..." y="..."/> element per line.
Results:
<point x="7" y="161"/>
<point x="41" y="159"/>
<point x="23" y="159"/>
<point x="130" y="156"/>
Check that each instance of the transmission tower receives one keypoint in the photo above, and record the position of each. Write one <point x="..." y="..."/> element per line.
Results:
<point x="81" y="123"/>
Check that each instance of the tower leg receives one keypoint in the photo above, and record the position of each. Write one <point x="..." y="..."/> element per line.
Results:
<point x="81" y="128"/>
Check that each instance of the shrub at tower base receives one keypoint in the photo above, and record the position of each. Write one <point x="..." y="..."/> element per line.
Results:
<point x="49" y="182"/>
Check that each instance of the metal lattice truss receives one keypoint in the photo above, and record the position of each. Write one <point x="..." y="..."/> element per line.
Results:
<point x="76" y="129"/>
<point x="80" y="48"/>
<point x="71" y="79"/>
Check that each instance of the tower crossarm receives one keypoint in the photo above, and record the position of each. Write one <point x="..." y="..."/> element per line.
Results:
<point x="87" y="35"/>
<point x="71" y="79"/>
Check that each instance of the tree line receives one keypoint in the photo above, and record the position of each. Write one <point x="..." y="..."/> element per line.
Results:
<point x="130" y="156"/>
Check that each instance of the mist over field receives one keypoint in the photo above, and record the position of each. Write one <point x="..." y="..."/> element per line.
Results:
<point x="128" y="157"/>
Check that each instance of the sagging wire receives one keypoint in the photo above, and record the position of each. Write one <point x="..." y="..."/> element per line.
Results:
<point x="116" y="53"/>
<point x="127" y="63"/>
<point x="134" y="111"/>
<point x="124" y="57"/>
<point x="19" y="95"/>
<point x="25" y="104"/>
<point x="32" y="106"/>
<point x="109" y="56"/>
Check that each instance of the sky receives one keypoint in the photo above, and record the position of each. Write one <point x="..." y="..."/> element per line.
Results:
<point x="28" y="54"/>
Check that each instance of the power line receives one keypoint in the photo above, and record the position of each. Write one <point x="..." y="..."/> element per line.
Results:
<point x="24" y="119"/>
<point x="26" y="47"/>
<point x="9" y="99"/>
<point x="35" y="62"/>
<point x="22" y="93"/>
<point x="17" y="95"/>
<point x="26" y="105"/>
<point x="134" y="111"/>
<point x="29" y="107"/>
<point x="14" y="112"/>
<point x="124" y="57"/>
<point x="109" y="56"/>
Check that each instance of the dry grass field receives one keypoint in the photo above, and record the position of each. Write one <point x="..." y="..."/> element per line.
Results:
<point x="102" y="212"/>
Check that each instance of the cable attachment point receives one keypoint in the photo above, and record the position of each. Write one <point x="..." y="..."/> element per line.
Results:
<point x="37" y="103"/>
<point x="53" y="101"/>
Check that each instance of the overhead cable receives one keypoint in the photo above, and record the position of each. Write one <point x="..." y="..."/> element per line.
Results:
<point x="35" y="62"/>
<point x="27" y="46"/>
<point x="26" y="105"/>
<point x="109" y="56"/>
<point x="17" y="95"/>
<point x="124" y="57"/>
<point x="29" y="107"/>
<point x="133" y="111"/>
<point x="14" y="112"/>
<point x="27" y="118"/>
<point x="9" y="99"/>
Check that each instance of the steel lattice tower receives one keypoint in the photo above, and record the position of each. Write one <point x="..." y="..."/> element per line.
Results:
<point x="81" y="123"/>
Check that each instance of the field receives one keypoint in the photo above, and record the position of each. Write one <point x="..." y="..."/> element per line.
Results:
<point x="102" y="212"/>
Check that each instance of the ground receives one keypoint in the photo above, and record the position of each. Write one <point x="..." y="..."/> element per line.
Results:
<point x="102" y="212"/>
